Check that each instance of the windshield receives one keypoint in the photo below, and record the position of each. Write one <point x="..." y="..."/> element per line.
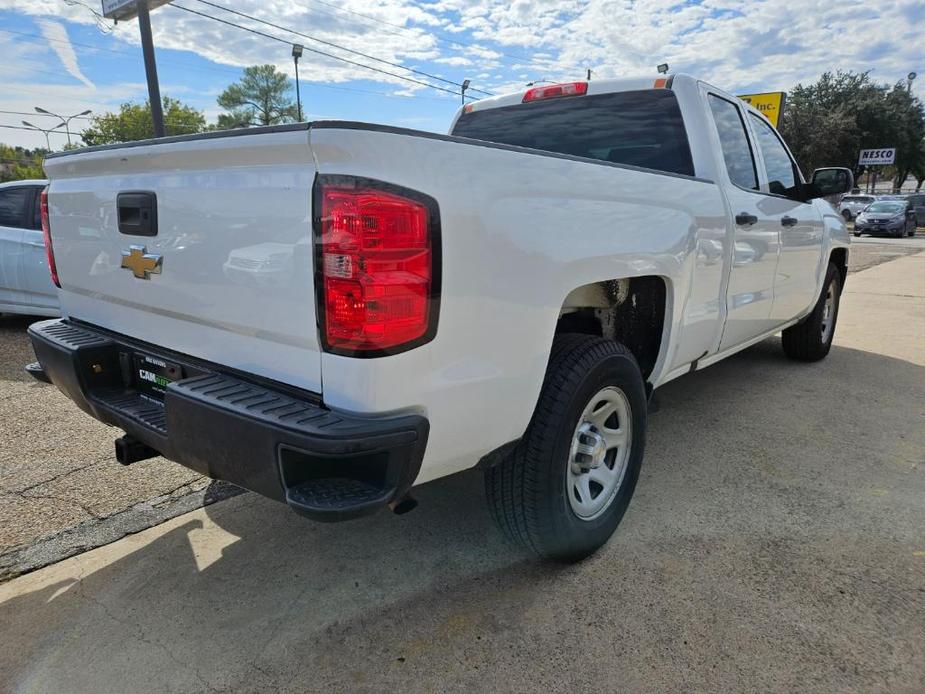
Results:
<point x="640" y="128"/>
<point x="885" y="207"/>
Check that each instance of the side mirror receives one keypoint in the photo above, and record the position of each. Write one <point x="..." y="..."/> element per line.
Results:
<point x="830" y="181"/>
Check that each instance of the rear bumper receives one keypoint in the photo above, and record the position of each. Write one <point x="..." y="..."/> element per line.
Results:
<point x="279" y="442"/>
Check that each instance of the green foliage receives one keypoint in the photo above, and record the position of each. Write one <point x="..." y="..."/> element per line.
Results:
<point x="133" y="122"/>
<point x="828" y="122"/>
<point x="19" y="163"/>
<point x="260" y="97"/>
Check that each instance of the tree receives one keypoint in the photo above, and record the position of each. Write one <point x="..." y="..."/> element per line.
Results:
<point x="19" y="163"/>
<point x="260" y="97"/>
<point x="828" y="122"/>
<point x="133" y="122"/>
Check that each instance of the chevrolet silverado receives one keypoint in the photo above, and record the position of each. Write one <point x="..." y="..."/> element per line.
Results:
<point x="329" y="313"/>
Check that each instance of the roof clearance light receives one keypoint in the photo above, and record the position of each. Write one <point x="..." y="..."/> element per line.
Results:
<point x="555" y="91"/>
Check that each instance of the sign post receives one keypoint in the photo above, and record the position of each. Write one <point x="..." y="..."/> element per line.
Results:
<point x="770" y="104"/>
<point x="882" y="156"/>
<point x="121" y="10"/>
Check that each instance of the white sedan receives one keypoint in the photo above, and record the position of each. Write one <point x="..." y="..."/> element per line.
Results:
<point x="25" y="282"/>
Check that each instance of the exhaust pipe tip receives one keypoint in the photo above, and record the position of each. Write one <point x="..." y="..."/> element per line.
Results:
<point x="130" y="450"/>
<point x="403" y="505"/>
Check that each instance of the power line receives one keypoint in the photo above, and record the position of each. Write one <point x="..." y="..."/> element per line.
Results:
<point x="439" y="37"/>
<point x="339" y="47"/>
<point x="38" y="130"/>
<point x="40" y="115"/>
<point x="315" y="50"/>
<point x="35" y="39"/>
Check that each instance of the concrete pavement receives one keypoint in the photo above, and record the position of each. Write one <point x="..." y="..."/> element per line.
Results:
<point x="776" y="543"/>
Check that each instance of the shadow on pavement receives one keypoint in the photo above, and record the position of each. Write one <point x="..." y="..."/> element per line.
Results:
<point x="771" y="545"/>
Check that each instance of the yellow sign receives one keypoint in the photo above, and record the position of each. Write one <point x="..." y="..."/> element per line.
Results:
<point x="771" y="104"/>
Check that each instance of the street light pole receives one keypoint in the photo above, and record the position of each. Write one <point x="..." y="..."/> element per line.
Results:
<point x="65" y="121"/>
<point x="44" y="130"/>
<point x="909" y="79"/>
<point x="465" y="86"/>
<point x="147" y="50"/>
<point x="296" y="54"/>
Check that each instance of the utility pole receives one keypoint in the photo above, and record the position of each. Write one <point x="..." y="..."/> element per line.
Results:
<point x="589" y="74"/>
<point x="147" y="49"/>
<point x="296" y="54"/>
<point x="122" y="10"/>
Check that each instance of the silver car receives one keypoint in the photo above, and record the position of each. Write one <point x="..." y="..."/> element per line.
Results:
<point x="852" y="205"/>
<point x="25" y="282"/>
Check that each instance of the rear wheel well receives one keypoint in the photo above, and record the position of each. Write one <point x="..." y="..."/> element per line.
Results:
<point x="629" y="310"/>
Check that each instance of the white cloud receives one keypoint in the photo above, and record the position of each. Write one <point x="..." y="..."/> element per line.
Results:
<point x="61" y="45"/>
<point x="737" y="44"/>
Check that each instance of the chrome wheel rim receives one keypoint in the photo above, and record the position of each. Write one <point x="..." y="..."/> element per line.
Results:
<point x="828" y="313"/>
<point x="599" y="453"/>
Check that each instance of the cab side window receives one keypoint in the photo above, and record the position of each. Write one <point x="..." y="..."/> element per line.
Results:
<point x="737" y="153"/>
<point x="13" y="205"/>
<point x="781" y="171"/>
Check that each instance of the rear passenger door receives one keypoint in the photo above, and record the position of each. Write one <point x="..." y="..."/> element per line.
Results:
<point x="755" y="226"/>
<point x="801" y="230"/>
<point x="42" y="293"/>
<point x="14" y="202"/>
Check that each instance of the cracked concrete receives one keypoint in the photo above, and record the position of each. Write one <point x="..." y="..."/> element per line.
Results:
<point x="60" y="487"/>
<point x="775" y="543"/>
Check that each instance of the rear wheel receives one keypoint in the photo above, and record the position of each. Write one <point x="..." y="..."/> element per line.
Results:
<point x="564" y="489"/>
<point x="811" y="339"/>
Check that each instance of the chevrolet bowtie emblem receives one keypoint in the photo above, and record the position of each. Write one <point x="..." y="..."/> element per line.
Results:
<point x="141" y="263"/>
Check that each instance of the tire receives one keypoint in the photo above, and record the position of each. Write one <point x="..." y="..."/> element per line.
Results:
<point x="857" y="234"/>
<point x="529" y="491"/>
<point x="811" y="340"/>
<point x="911" y="231"/>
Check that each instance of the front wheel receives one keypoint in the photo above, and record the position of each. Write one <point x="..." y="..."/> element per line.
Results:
<point x="564" y="489"/>
<point x="811" y="339"/>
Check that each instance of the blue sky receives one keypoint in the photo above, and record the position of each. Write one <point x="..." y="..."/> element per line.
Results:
<point x="57" y="54"/>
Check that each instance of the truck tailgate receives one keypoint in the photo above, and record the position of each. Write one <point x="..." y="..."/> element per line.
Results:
<point x="231" y="268"/>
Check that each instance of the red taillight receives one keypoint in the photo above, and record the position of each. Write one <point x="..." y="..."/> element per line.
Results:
<point x="554" y="91"/>
<point x="376" y="263"/>
<point x="46" y="232"/>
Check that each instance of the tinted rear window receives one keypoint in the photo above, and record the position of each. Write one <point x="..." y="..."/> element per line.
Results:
<point x="642" y="128"/>
<point x="849" y="198"/>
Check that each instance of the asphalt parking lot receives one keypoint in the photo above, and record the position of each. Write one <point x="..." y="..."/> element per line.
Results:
<point x="776" y="543"/>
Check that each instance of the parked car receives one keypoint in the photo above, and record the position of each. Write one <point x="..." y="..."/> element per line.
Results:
<point x="25" y="283"/>
<point x="917" y="203"/>
<point x="507" y="296"/>
<point x="893" y="217"/>
<point x="851" y="205"/>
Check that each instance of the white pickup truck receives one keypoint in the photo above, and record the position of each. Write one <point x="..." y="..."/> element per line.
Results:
<point x="329" y="313"/>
